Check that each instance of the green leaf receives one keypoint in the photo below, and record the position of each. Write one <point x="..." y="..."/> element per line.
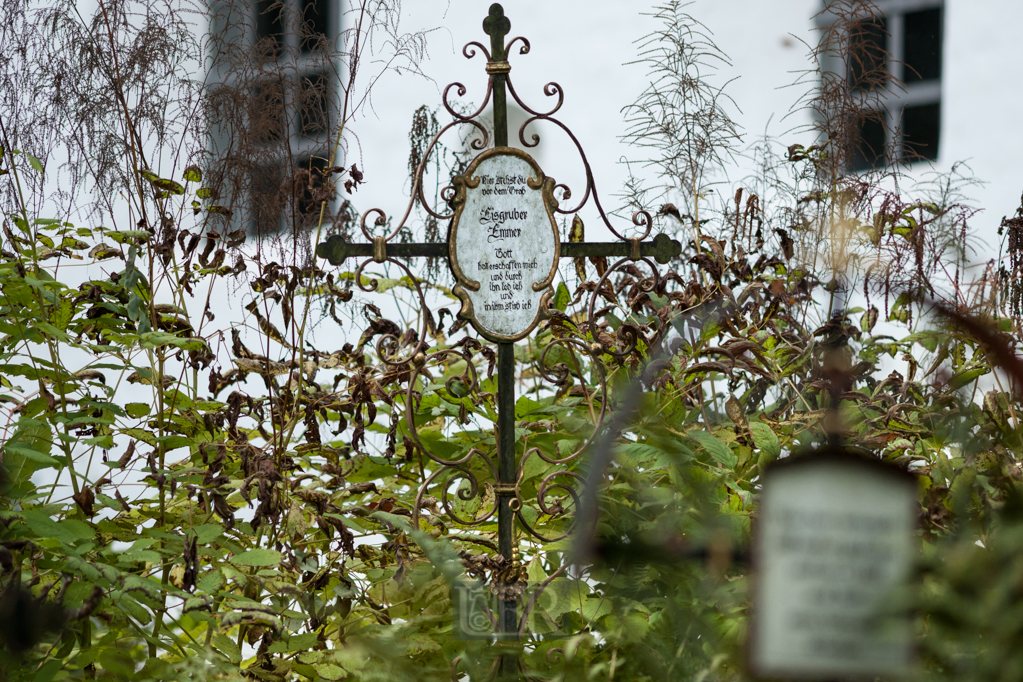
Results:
<point x="67" y="531"/>
<point x="137" y="410"/>
<point x="228" y="646"/>
<point x="719" y="452"/>
<point x="143" y="435"/>
<point x="32" y="441"/>
<point x="710" y="329"/>
<point x="211" y="582"/>
<point x="156" y="339"/>
<point x="296" y="643"/>
<point x="207" y="533"/>
<point x="165" y="187"/>
<point x="351" y="523"/>
<point x="192" y="174"/>
<point x="103" y="252"/>
<point x="385" y="284"/>
<point x="258" y="557"/>
<point x="868" y="320"/>
<point x="48" y="670"/>
<point x="966" y="377"/>
<point x="330" y="671"/>
<point x="34" y="162"/>
<point x="766" y="440"/>
<point x="80" y="529"/>
<point x="32" y="454"/>
<point x="562" y="297"/>
<point x="204" y="192"/>
<point x="173" y="442"/>
<point x="638" y="454"/>
<point x="535" y="571"/>
<point x="123" y="236"/>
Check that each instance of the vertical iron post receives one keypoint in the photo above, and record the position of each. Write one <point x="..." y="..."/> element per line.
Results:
<point x="497" y="26"/>
<point x="506" y="467"/>
<point x="661" y="248"/>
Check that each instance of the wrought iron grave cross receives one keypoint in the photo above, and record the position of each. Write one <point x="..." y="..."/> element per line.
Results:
<point x="503" y="248"/>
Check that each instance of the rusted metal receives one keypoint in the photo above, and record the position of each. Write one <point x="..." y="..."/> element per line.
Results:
<point x="661" y="248"/>
<point x="379" y="249"/>
<point x="494" y="478"/>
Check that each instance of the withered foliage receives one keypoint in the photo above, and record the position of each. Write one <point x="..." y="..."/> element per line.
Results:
<point x="300" y="506"/>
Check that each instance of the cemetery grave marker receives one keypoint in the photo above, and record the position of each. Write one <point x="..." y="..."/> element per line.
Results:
<point x="835" y="541"/>
<point x="503" y="248"/>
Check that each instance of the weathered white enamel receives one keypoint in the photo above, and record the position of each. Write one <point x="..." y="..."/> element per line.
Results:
<point x="835" y="544"/>
<point x="506" y="241"/>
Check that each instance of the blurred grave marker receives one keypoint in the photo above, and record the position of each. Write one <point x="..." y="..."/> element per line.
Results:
<point x="835" y="542"/>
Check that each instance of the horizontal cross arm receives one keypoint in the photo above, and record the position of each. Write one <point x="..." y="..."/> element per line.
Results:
<point x="661" y="248"/>
<point x="336" y="250"/>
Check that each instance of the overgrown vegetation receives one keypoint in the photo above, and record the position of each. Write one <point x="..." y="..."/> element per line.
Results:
<point x="193" y="497"/>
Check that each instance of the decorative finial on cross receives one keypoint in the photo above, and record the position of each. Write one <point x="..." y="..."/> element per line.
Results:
<point x="497" y="26"/>
<point x="501" y="296"/>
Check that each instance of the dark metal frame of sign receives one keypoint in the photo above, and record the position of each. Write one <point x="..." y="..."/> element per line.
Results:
<point x="507" y="470"/>
<point x="828" y="453"/>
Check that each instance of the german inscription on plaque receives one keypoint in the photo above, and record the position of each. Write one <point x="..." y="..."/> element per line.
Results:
<point x="835" y="542"/>
<point x="504" y="243"/>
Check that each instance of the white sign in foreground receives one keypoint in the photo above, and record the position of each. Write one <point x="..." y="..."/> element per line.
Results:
<point x="835" y="543"/>
<point x="504" y="243"/>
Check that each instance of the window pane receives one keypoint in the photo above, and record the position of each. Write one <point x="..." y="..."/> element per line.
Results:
<point x="315" y="23"/>
<point x="314" y="102"/>
<point x="270" y="27"/>
<point x="921" y="130"/>
<point x="922" y="45"/>
<point x="265" y="189"/>
<point x="868" y="54"/>
<point x="869" y="141"/>
<point x="266" y="113"/>
<point x="311" y="189"/>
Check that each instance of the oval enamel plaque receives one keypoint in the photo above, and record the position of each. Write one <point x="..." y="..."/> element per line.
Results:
<point x="503" y="243"/>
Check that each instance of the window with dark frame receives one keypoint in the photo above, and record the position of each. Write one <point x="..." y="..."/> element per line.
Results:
<point x="313" y="106"/>
<point x="870" y="144"/>
<point x="265" y="196"/>
<point x="868" y="54"/>
<point x="270" y="27"/>
<point x="294" y="111"/>
<point x="921" y="132"/>
<point x="310" y="181"/>
<point x="921" y="45"/>
<point x="910" y="33"/>
<point x="315" y="24"/>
